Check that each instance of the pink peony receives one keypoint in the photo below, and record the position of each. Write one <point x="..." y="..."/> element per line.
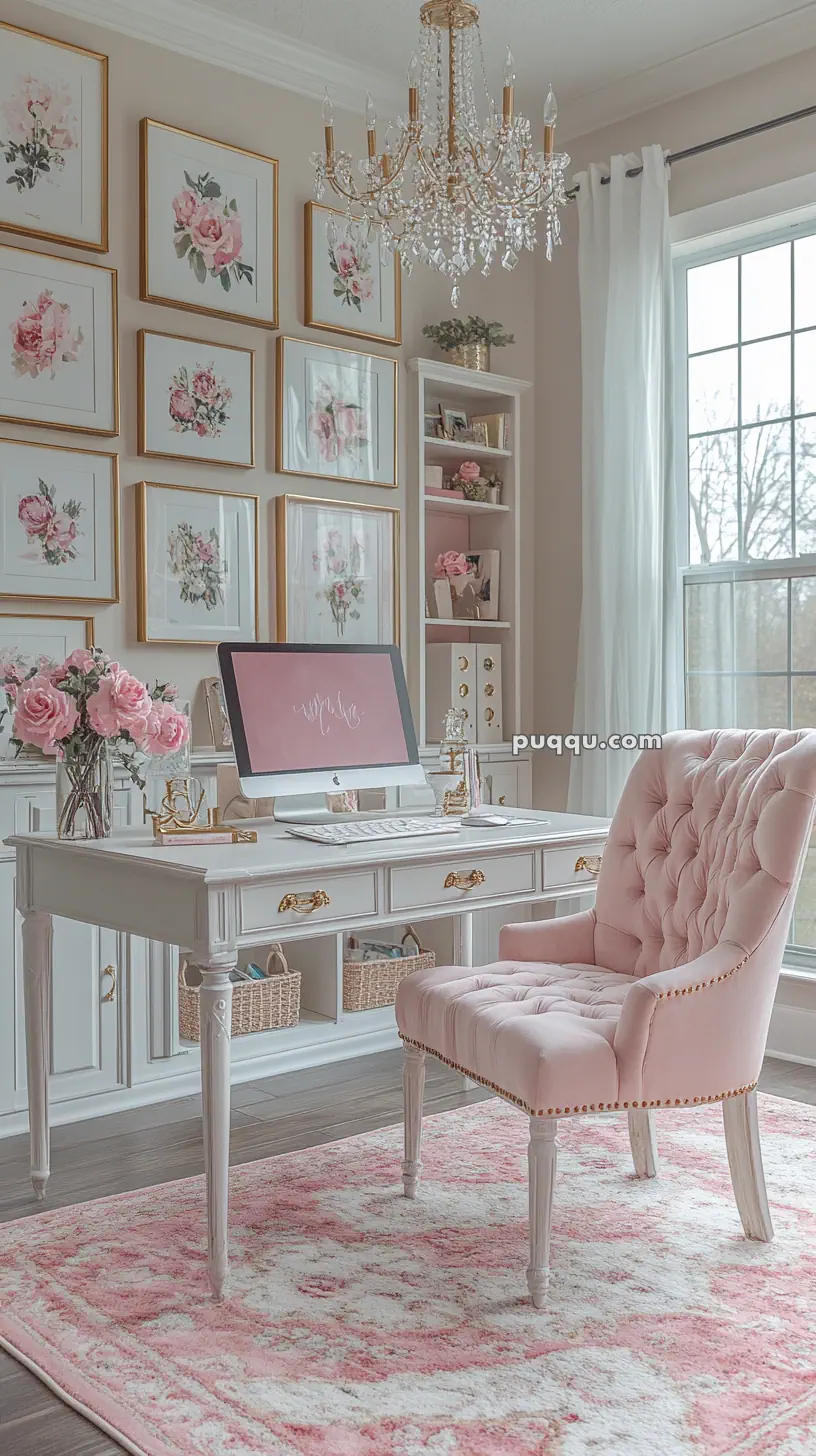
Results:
<point x="348" y="423"/>
<point x="469" y="470"/>
<point x="346" y="260"/>
<point x="185" y="206"/>
<point x="121" y="704"/>
<point x="321" y="425"/>
<point x="205" y="386"/>
<point x="34" y="101"/>
<point x="61" y="530"/>
<point x="202" y="428"/>
<point x="451" y="563"/>
<point x="181" y="405"/>
<point x="362" y="287"/>
<point x="34" y="513"/>
<point x="42" y="714"/>
<point x="217" y="236"/>
<point x="42" y="337"/>
<point x="81" y="659"/>
<point x="165" y="731"/>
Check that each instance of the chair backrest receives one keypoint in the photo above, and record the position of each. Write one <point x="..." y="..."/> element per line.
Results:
<point x="707" y="844"/>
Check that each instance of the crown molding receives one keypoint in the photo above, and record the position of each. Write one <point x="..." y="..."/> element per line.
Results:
<point x="761" y="45"/>
<point x="215" y="37"/>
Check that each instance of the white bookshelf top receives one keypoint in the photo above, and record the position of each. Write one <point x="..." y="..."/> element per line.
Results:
<point x="463" y="507"/>
<point x="471" y="622"/>
<point x="480" y="381"/>
<point x="461" y="447"/>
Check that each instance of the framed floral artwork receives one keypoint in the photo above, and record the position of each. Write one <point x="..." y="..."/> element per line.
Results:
<point x="25" y="640"/>
<point x="196" y="400"/>
<point x="209" y="235"/>
<point x="59" y="523"/>
<point x="352" y="286"/>
<point x="53" y="140"/>
<point x="337" y="571"/>
<point x="59" y="364"/>
<point x="197" y="565"/>
<point x="336" y="413"/>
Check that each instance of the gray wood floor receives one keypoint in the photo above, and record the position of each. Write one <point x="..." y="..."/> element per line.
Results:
<point x="156" y="1144"/>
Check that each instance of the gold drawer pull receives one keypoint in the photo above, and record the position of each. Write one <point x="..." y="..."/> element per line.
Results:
<point x="111" y="994"/>
<point x="305" y="904"/>
<point x="589" y="862"/>
<point x="455" y="881"/>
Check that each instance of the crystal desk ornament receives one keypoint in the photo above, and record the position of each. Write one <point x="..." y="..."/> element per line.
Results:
<point x="184" y="819"/>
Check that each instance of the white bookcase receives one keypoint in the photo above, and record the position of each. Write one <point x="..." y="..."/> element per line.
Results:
<point x="465" y="525"/>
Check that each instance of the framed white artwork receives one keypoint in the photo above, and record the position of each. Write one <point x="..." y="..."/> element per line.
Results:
<point x="53" y="140"/>
<point x="24" y="640"/>
<point x="59" y="365"/>
<point x="209" y="233"/>
<point x="352" y="285"/>
<point x="337" y="571"/>
<point x="336" y="413"/>
<point x="59" y="523"/>
<point x="197" y="575"/>
<point x="196" y="400"/>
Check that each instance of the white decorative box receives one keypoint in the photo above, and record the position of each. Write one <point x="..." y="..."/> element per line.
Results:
<point x="450" y="682"/>
<point x="489" y="726"/>
<point x="433" y="477"/>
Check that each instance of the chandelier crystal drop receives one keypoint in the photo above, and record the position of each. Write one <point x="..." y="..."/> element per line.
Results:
<point x="453" y="190"/>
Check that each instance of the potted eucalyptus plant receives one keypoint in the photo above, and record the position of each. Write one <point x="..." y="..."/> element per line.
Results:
<point x="468" y="341"/>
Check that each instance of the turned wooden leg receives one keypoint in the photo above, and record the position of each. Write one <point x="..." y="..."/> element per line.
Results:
<point x="745" y="1163"/>
<point x="463" y="955"/>
<point x="643" y="1142"/>
<point x="541" y="1155"/>
<point x="413" y="1087"/>
<point x="38" y="935"/>
<point x="216" y="1030"/>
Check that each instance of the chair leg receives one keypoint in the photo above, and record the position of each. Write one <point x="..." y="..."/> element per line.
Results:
<point x="643" y="1142"/>
<point x="541" y="1154"/>
<point x="745" y="1163"/>
<point x="413" y="1087"/>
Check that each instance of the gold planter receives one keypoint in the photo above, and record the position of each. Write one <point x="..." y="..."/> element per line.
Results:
<point x="471" y="356"/>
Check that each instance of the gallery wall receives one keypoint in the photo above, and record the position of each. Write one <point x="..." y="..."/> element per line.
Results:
<point x="146" y="81"/>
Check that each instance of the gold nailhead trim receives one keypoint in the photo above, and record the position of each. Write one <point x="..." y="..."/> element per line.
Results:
<point x="702" y="985"/>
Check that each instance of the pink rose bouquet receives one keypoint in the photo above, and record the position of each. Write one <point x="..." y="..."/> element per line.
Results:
<point x="52" y="532"/>
<point x="451" y="563"/>
<point x="42" y="337"/>
<point x="199" y="402"/>
<point x="469" y="479"/>
<point x="207" y="232"/>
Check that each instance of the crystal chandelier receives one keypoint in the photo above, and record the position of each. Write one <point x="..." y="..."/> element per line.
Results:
<point x="451" y="190"/>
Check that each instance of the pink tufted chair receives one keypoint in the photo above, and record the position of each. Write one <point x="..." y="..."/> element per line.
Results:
<point x="661" y="995"/>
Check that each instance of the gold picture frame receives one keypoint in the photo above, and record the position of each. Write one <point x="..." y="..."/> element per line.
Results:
<point x="281" y="435"/>
<point x="146" y="292"/>
<point x="282" y="504"/>
<point x="203" y="344"/>
<point x="142" y="614"/>
<point x="62" y="596"/>
<point x="89" y="622"/>
<point x="92" y="245"/>
<point x="309" y="312"/>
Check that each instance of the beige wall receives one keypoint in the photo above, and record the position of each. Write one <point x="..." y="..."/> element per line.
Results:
<point x="729" y="172"/>
<point x="147" y="81"/>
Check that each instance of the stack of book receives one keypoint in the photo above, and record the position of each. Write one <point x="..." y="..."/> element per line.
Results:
<point x="498" y="429"/>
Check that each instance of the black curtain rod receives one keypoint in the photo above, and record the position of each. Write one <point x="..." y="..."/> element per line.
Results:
<point x="723" y="141"/>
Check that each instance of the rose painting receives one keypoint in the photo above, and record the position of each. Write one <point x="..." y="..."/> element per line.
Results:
<point x="342" y="584"/>
<point x="337" y="413"/>
<point x="353" y="283"/>
<point x="196" y="400"/>
<point x="195" y="560"/>
<point x="350" y="262"/>
<point x="207" y="232"/>
<point x="53" y="531"/>
<point x="338" y="424"/>
<point x="59" y="534"/>
<point x="336" y="568"/>
<point x="39" y="125"/>
<point x="43" y="338"/>
<point x="199" y="402"/>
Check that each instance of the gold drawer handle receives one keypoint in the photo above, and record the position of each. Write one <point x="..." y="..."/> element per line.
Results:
<point x="305" y="904"/>
<point x="111" y="994"/>
<point x="589" y="862"/>
<point x="455" y="881"/>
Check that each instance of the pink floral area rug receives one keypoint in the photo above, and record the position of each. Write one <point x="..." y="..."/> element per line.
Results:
<point x="360" y="1324"/>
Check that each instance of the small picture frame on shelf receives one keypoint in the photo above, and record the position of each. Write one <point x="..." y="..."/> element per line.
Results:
<point x="485" y="568"/>
<point x="476" y="434"/>
<point x="434" y="428"/>
<point x="453" y="421"/>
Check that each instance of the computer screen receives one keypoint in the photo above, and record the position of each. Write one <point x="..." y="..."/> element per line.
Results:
<point x="320" y="715"/>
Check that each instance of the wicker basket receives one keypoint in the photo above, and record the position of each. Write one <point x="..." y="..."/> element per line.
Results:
<point x="368" y="984"/>
<point x="256" y="1005"/>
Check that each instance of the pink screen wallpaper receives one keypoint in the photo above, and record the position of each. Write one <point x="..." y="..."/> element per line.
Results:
<point x="317" y="710"/>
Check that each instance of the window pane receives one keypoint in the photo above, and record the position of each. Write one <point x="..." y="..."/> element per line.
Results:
<point x="761" y="626"/>
<point x="762" y="702"/>
<point x="713" y="532"/>
<point x="804" y="253"/>
<point x="804" y="918"/>
<point x="713" y="391"/>
<point x="766" y="491"/>
<point x="766" y="292"/>
<point x="806" y="373"/>
<point x="803" y="625"/>
<point x="804" y="702"/>
<point x="805" y="433"/>
<point x="708" y="627"/>
<point x="709" y="702"/>
<point x="712" y="305"/>
<point x="766" y="380"/>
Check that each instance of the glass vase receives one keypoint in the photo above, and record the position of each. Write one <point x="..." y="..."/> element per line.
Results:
<point x="85" y="794"/>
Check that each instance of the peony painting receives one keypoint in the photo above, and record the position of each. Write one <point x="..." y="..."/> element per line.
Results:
<point x="53" y="139"/>
<point x="196" y="400"/>
<point x="337" y="571"/>
<point x="352" y="285"/>
<point x="198" y="565"/>
<point x="58" y="343"/>
<point x="59" y="523"/>
<point x="337" y="413"/>
<point x="209" y="226"/>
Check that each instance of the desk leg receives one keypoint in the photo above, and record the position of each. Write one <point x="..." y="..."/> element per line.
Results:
<point x="38" y="935"/>
<point x="464" y="957"/>
<point x="216" y="1032"/>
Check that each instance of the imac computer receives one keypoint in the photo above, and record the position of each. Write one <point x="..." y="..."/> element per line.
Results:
<point x="318" y="719"/>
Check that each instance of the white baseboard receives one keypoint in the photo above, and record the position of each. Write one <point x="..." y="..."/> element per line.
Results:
<point x="792" y="1035"/>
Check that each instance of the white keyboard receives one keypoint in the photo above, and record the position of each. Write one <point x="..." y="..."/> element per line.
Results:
<point x="365" y="831"/>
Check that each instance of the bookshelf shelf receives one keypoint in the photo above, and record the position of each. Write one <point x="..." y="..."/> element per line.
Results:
<point x="461" y="447"/>
<point x="471" y="623"/>
<point x="464" y="507"/>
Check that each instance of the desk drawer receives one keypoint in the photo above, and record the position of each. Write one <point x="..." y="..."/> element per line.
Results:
<point x="462" y="882"/>
<point x="567" y="867"/>
<point x="321" y="897"/>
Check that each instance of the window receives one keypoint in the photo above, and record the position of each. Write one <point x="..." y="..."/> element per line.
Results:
<point x="747" y="467"/>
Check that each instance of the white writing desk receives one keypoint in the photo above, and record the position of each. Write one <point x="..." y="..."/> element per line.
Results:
<point x="215" y="901"/>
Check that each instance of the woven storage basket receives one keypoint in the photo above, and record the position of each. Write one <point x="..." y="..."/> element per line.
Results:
<point x="368" y="984"/>
<point x="256" y="1005"/>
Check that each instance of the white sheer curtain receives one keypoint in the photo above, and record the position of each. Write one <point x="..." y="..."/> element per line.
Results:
<point x="626" y="681"/>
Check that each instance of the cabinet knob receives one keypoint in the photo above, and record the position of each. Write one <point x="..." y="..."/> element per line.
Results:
<point x="110" y="994"/>
<point x="489" y="715"/>
<point x="488" y="664"/>
<point x="463" y="664"/>
<point x="502" y="798"/>
<point x="489" y="689"/>
<point x="463" y="690"/>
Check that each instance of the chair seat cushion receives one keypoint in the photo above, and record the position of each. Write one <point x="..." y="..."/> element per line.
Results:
<point x="540" y="1034"/>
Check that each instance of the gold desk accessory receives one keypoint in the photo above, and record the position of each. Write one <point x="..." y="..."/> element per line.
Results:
<point x="179" y="820"/>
